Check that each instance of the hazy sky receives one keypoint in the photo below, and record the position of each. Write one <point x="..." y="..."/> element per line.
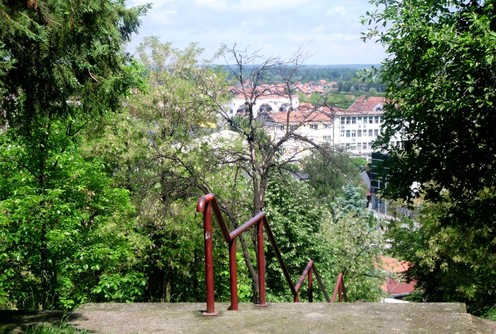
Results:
<point x="329" y="30"/>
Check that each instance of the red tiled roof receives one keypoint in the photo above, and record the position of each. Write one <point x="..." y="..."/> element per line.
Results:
<point x="396" y="286"/>
<point x="304" y="114"/>
<point x="363" y="104"/>
<point x="393" y="265"/>
<point x="263" y="89"/>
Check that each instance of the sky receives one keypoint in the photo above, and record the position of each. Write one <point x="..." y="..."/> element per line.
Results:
<point x="328" y="30"/>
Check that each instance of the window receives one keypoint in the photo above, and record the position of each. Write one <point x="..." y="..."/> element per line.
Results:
<point x="376" y="132"/>
<point x="359" y="120"/>
<point x="327" y="138"/>
<point x="353" y="120"/>
<point x="348" y="120"/>
<point x="376" y="119"/>
<point x="281" y="127"/>
<point x="364" y="146"/>
<point x="381" y="119"/>
<point x="343" y="133"/>
<point x="359" y="133"/>
<point x="342" y="120"/>
<point x="348" y="133"/>
<point x="353" y="133"/>
<point x="314" y="126"/>
<point x="371" y="120"/>
<point x="371" y="132"/>
<point x="293" y="127"/>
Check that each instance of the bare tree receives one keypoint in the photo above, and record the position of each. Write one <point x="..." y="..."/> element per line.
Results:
<point x="262" y="153"/>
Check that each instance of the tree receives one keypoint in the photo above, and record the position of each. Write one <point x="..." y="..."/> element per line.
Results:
<point x="330" y="172"/>
<point x="450" y="249"/>
<point x="440" y="86"/>
<point x="440" y="79"/>
<point x="260" y="153"/>
<point x="295" y="220"/>
<point x="355" y="241"/>
<point x="160" y="149"/>
<point x="64" y="66"/>
<point x="81" y="225"/>
<point x="347" y="240"/>
<point x="75" y="48"/>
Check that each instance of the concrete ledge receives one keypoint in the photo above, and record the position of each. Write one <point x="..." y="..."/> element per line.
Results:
<point x="278" y="318"/>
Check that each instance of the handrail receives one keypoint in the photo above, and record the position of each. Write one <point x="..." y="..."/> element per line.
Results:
<point x="309" y="269"/>
<point x="306" y="273"/>
<point x="339" y="289"/>
<point x="202" y="207"/>
<point x="205" y="205"/>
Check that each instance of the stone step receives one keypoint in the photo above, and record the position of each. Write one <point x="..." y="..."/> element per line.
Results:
<point x="280" y="318"/>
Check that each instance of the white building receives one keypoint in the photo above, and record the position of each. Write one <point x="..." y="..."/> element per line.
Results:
<point x="264" y="103"/>
<point x="309" y="122"/>
<point x="353" y="129"/>
<point x="356" y="128"/>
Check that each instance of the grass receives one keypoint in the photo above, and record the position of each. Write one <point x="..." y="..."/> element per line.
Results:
<point x="54" y="329"/>
<point x="491" y="314"/>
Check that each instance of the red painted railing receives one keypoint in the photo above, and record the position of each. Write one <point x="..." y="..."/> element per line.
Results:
<point x="309" y="271"/>
<point x="339" y="289"/>
<point x="208" y="203"/>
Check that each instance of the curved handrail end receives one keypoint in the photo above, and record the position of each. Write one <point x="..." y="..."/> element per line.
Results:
<point x="202" y="202"/>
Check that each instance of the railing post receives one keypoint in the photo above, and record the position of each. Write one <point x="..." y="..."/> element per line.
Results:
<point x="233" y="275"/>
<point x="339" y="289"/>
<point x="209" y="259"/>
<point x="310" y="285"/>
<point x="321" y="284"/>
<point x="261" y="263"/>
<point x="208" y="205"/>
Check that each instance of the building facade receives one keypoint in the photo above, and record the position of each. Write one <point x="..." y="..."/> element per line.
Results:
<point x="356" y="128"/>
<point x="264" y="103"/>
<point x="353" y="129"/>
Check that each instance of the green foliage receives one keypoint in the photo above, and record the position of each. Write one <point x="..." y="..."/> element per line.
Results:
<point x="340" y="100"/>
<point x="330" y="171"/>
<point x="491" y="314"/>
<point x="345" y="75"/>
<point x="295" y="221"/>
<point x="77" y="232"/>
<point x="159" y="149"/>
<point x="440" y="79"/>
<point x="451" y="251"/>
<point x="54" y="329"/>
<point x="355" y="240"/>
<point x="354" y="245"/>
<point x="305" y="229"/>
<point x="65" y="229"/>
<point x="76" y="49"/>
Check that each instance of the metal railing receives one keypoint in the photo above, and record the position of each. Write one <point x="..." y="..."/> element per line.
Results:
<point x="206" y="205"/>
<point x="339" y="290"/>
<point x="309" y="271"/>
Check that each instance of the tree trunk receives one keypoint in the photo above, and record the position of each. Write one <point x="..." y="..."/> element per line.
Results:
<point x="168" y="288"/>
<point x="45" y="279"/>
